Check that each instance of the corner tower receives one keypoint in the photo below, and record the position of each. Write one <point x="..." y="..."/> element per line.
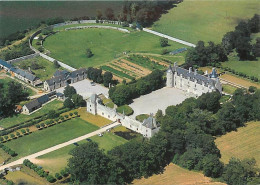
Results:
<point x="169" y="75"/>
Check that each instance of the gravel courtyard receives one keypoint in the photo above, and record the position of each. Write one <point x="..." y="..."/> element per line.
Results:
<point x="159" y="99"/>
<point x="85" y="89"/>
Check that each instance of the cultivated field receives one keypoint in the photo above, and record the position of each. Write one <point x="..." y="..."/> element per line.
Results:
<point x="57" y="160"/>
<point x="243" y="143"/>
<point x="51" y="136"/>
<point x="105" y="44"/>
<point x="205" y="20"/>
<point x="174" y="174"/>
<point x="239" y="80"/>
<point x="46" y="68"/>
<point x="8" y="122"/>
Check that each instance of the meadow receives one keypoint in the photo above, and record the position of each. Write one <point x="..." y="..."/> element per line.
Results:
<point x="57" y="160"/>
<point x="106" y="45"/>
<point x="10" y="121"/>
<point x="205" y="20"/>
<point x="51" y="136"/>
<point x="243" y="143"/>
<point x="174" y="174"/>
<point x="18" y="16"/>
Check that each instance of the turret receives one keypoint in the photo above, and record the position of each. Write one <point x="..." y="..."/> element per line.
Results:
<point x="213" y="74"/>
<point x="169" y="75"/>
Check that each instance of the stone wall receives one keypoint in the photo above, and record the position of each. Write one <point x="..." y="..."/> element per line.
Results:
<point x="23" y="58"/>
<point x="104" y="27"/>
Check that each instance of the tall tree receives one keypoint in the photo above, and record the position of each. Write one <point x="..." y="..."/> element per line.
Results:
<point x="69" y="91"/>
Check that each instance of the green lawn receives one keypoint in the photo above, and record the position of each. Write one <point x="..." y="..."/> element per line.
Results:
<point x="228" y="88"/>
<point x="127" y="110"/>
<point x="206" y="20"/>
<point x="7" y="122"/>
<point x="57" y="160"/>
<point x="70" y="46"/>
<point x="250" y="68"/>
<point x="45" y="72"/>
<point x="51" y="136"/>
<point x="6" y="80"/>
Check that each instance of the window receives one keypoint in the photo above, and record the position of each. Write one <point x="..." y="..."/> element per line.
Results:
<point x="108" y="116"/>
<point x="102" y="113"/>
<point x="89" y="105"/>
<point x="89" y="109"/>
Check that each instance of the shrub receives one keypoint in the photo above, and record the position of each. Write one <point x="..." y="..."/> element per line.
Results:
<point x="71" y="114"/>
<point x="76" y="113"/>
<point x="18" y="134"/>
<point x="58" y="176"/>
<point x="12" y="136"/>
<point x="38" y="126"/>
<point x="256" y="79"/>
<point x="163" y="42"/>
<point x="252" y="89"/>
<point x="50" y="179"/>
<point x="125" y="24"/>
<point x="6" y="137"/>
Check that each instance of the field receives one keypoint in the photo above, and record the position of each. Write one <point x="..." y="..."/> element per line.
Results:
<point x="7" y="122"/>
<point x="17" y="16"/>
<point x="243" y="143"/>
<point x="45" y="71"/>
<point x="250" y="68"/>
<point x="174" y="174"/>
<point x="205" y="20"/>
<point x="239" y="80"/>
<point x="57" y="160"/>
<point x="105" y="44"/>
<point x="51" y="136"/>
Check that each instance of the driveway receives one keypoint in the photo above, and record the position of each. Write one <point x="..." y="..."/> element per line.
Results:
<point x="159" y="99"/>
<point x="85" y="89"/>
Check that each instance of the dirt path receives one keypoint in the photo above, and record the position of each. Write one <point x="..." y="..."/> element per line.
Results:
<point x="59" y="146"/>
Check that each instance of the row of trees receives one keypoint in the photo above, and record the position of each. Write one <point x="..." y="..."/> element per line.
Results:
<point x="73" y="100"/>
<point x="8" y="150"/>
<point x="10" y="95"/>
<point x="97" y="76"/>
<point x="186" y="137"/>
<point x="16" y="135"/>
<point x="123" y="94"/>
<point x="239" y="40"/>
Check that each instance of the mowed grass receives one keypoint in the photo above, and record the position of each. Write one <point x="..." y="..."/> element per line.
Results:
<point x="16" y="119"/>
<point x="47" y="70"/>
<point x="106" y="45"/>
<point x="239" y="80"/>
<point x="57" y="160"/>
<point x="243" y="143"/>
<point x="174" y="174"/>
<point x="206" y="20"/>
<point x="250" y="68"/>
<point x="51" y="136"/>
<point x="228" y="88"/>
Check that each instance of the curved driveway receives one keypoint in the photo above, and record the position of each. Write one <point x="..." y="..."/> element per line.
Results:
<point x="56" y="147"/>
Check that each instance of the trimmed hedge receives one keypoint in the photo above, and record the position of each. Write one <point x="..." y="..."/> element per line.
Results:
<point x="8" y="150"/>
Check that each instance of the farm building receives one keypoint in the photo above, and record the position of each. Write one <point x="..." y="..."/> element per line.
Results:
<point x="63" y="78"/>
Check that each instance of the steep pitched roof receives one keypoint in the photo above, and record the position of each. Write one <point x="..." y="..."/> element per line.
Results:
<point x="24" y="73"/>
<point x="80" y="71"/>
<point x="43" y="99"/>
<point x="150" y="122"/>
<point x="59" y="73"/>
<point x="32" y="104"/>
<point x="5" y="64"/>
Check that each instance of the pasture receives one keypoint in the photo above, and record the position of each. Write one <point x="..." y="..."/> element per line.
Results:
<point x="205" y="20"/>
<point x="57" y="160"/>
<point x="51" y="136"/>
<point x="44" y="72"/>
<point x="10" y="121"/>
<point x="243" y="143"/>
<point x="106" y="45"/>
<point x="174" y="174"/>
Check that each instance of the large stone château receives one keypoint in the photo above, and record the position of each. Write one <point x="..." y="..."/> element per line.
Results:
<point x="63" y="78"/>
<point x="192" y="82"/>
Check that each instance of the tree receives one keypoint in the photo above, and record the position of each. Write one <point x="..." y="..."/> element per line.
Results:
<point x="27" y="130"/>
<point x="256" y="48"/>
<point x="58" y="176"/>
<point x="163" y="42"/>
<point x="107" y="78"/>
<point x="53" y="114"/>
<point x="212" y="167"/>
<point x="68" y="103"/>
<point x="243" y="48"/>
<point x="56" y="64"/>
<point x="254" y="24"/>
<point x="89" y="53"/>
<point x="6" y="137"/>
<point x="50" y="179"/>
<point x="78" y="100"/>
<point x="69" y="91"/>
<point x="109" y="14"/>
<point x="98" y="14"/>
<point x="18" y="134"/>
<point x="121" y="95"/>
<point x="89" y="164"/>
<point x="252" y="89"/>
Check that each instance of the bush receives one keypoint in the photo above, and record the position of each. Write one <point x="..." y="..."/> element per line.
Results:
<point x="164" y="51"/>
<point x="163" y="42"/>
<point x="89" y="53"/>
<point x="125" y="24"/>
<point x="58" y="176"/>
<point x="252" y="89"/>
<point x="127" y="110"/>
<point x="50" y="179"/>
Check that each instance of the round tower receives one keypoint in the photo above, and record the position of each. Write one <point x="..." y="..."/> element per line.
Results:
<point x="169" y="75"/>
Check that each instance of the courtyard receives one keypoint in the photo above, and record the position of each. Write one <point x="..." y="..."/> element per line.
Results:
<point x="159" y="99"/>
<point x="86" y="89"/>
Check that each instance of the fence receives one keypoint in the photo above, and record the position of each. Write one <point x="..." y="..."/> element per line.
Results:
<point x="23" y="58"/>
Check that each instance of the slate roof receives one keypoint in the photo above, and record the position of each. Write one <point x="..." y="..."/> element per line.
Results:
<point x="192" y="76"/>
<point x="93" y="98"/>
<point x="23" y="73"/>
<point x="43" y="99"/>
<point x="5" y="64"/>
<point x="150" y="122"/>
<point x="64" y="75"/>
<point x="32" y="104"/>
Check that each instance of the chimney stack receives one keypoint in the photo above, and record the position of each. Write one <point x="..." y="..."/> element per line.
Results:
<point x="175" y="64"/>
<point x="195" y="72"/>
<point x="190" y="69"/>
